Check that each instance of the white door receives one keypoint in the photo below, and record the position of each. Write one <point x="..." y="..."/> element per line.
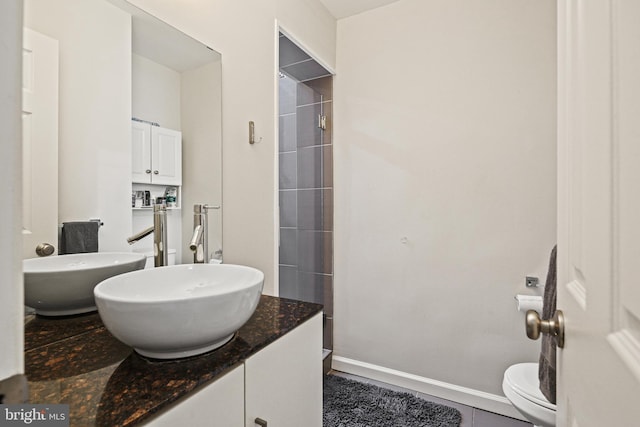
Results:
<point x="140" y="152"/>
<point x="599" y="212"/>
<point x="166" y="155"/>
<point x="39" y="141"/>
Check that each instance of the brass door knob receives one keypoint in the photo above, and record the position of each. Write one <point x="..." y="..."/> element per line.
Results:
<point x="45" y="249"/>
<point x="554" y="326"/>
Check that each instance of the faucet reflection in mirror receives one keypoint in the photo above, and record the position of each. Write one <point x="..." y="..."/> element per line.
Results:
<point x="159" y="230"/>
<point x="199" y="242"/>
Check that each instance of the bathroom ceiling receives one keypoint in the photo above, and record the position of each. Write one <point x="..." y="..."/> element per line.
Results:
<point x="161" y="43"/>
<point x="344" y="8"/>
<point x="167" y="46"/>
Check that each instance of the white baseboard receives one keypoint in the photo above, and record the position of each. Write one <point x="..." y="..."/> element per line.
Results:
<point x="467" y="396"/>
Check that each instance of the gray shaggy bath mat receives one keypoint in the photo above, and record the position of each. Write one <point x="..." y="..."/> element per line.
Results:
<point x="349" y="403"/>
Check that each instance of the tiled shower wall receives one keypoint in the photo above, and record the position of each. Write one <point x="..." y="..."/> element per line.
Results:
<point x="306" y="188"/>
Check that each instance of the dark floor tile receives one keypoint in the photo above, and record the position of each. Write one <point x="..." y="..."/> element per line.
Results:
<point x="489" y="419"/>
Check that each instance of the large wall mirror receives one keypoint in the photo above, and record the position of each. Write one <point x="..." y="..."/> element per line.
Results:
<point x="110" y="63"/>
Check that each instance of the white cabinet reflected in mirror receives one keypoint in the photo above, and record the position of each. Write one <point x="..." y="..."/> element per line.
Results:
<point x="117" y="63"/>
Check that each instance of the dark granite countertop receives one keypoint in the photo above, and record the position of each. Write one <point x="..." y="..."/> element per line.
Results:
<point x="76" y="361"/>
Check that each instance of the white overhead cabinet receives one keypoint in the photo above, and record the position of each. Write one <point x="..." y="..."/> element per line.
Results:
<point x="156" y="155"/>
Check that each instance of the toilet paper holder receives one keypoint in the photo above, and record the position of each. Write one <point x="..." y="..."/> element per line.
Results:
<point x="531" y="282"/>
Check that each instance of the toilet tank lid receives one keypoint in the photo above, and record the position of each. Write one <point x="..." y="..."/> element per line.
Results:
<point x="523" y="379"/>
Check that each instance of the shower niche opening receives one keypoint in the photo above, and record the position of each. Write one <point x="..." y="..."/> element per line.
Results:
<point x="306" y="182"/>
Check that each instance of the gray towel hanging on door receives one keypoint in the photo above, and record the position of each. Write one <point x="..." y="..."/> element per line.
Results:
<point x="547" y="363"/>
<point x="79" y="237"/>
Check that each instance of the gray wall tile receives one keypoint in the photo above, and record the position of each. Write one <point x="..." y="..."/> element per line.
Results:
<point x="308" y="133"/>
<point x="290" y="53"/>
<point x="317" y="288"/>
<point x="315" y="209"/>
<point x="288" y="281"/>
<point x="287" y="95"/>
<point x="315" y="251"/>
<point x="306" y="197"/>
<point x="315" y="167"/>
<point x="288" y="178"/>
<point x="287" y="133"/>
<point x="314" y="91"/>
<point x="288" y="208"/>
<point x="305" y="70"/>
<point x="327" y="335"/>
<point x="288" y="251"/>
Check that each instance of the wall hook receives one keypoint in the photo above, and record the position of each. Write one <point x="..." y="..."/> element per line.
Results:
<point x="252" y="133"/>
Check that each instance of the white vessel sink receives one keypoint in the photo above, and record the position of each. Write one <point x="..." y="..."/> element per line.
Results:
<point x="63" y="285"/>
<point x="179" y="310"/>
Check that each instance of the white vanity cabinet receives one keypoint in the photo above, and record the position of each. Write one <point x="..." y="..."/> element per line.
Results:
<point x="283" y="381"/>
<point x="219" y="404"/>
<point x="156" y="155"/>
<point x="280" y="385"/>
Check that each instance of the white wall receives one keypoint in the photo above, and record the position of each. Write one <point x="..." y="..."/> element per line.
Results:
<point x="245" y="34"/>
<point x="155" y="93"/>
<point x="11" y="289"/>
<point x="445" y="137"/>
<point x="201" y="108"/>
<point x="95" y="111"/>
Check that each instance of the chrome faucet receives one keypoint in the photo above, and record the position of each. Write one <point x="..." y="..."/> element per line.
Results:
<point x="199" y="242"/>
<point x="159" y="230"/>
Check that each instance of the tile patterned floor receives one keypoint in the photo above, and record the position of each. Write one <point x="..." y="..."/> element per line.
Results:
<point x="471" y="417"/>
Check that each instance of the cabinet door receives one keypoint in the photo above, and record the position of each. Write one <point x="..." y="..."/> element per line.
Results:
<point x="283" y="381"/>
<point x="220" y="404"/>
<point x="140" y="152"/>
<point x="166" y="156"/>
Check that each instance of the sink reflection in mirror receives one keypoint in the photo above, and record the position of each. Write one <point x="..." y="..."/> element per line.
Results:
<point x="63" y="285"/>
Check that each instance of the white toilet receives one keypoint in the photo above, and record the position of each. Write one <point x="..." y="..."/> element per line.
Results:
<point x="521" y="387"/>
